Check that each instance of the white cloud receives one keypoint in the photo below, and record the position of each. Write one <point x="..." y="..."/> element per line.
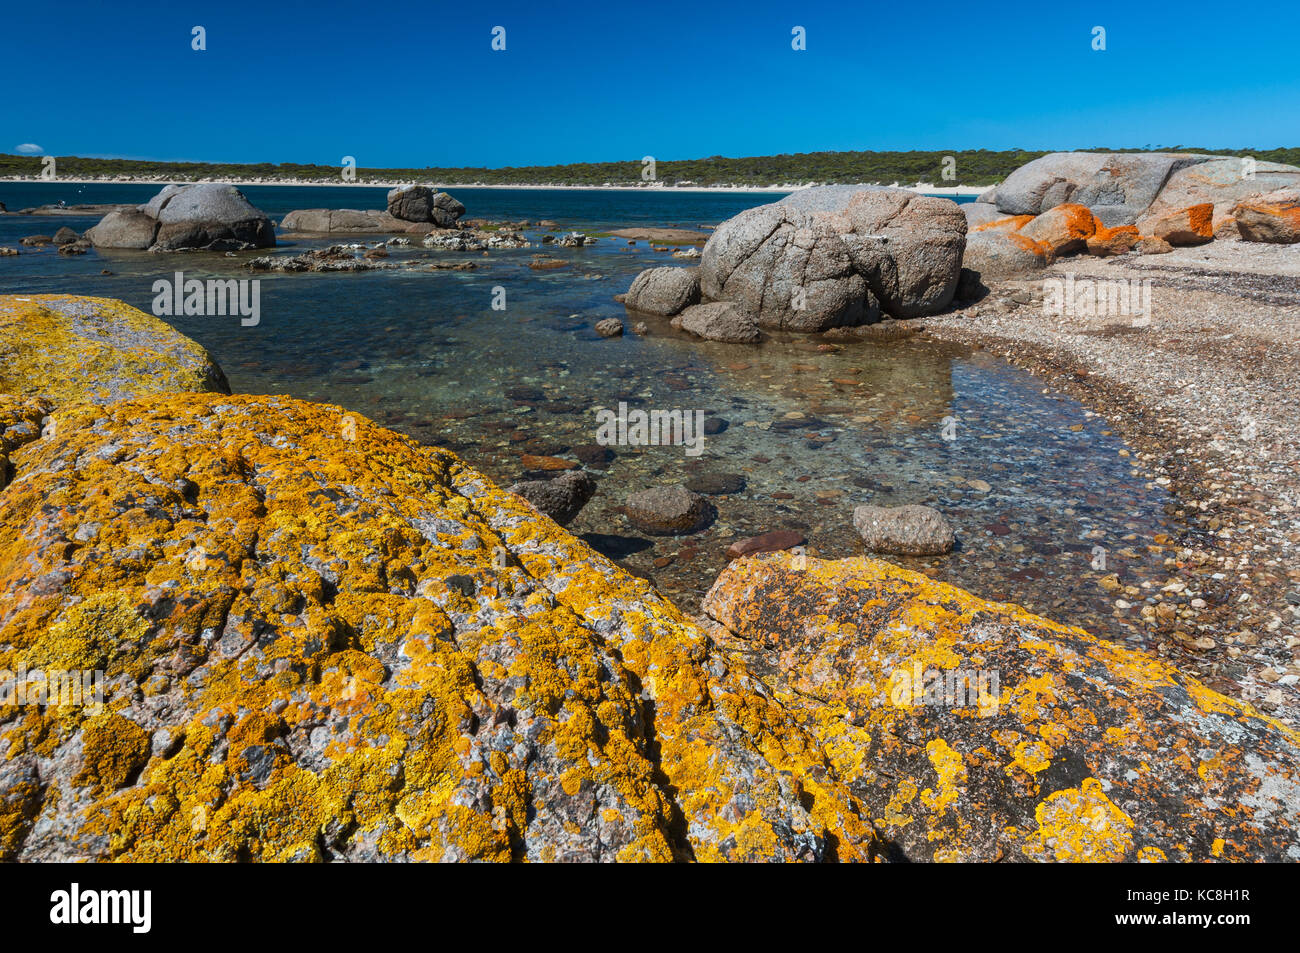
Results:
<point x="28" y="149"/>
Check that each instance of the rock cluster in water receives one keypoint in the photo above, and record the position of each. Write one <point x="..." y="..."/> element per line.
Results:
<point x="208" y="216"/>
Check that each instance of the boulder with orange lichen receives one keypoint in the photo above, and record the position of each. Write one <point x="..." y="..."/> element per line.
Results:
<point x="321" y="640"/>
<point x="21" y="421"/>
<point x="1063" y="230"/>
<point x="1193" y="225"/>
<point x="1272" y="217"/>
<point x="1002" y="252"/>
<point x="73" y="348"/>
<point x="974" y="730"/>
<point x="1113" y="241"/>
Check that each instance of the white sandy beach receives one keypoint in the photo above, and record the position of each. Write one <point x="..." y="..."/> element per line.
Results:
<point x="920" y="187"/>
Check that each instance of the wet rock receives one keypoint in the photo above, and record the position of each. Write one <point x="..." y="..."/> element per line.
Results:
<point x="716" y="484"/>
<point x="561" y="498"/>
<point x="1013" y="738"/>
<point x="7" y="252"/>
<point x="715" y="425"/>
<point x="533" y="461"/>
<point x="594" y="455"/>
<point x="610" y="328"/>
<point x="668" y="511"/>
<point x="65" y="236"/>
<point x="719" y="321"/>
<point x="770" y="542"/>
<point x="333" y="258"/>
<point x="641" y="328"/>
<point x="36" y="240"/>
<point x="664" y="291"/>
<point x="909" y="530"/>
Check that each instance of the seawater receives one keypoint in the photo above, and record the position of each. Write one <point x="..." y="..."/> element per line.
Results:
<point x="1033" y="482"/>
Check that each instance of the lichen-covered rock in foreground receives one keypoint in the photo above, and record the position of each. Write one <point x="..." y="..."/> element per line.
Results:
<point x="324" y="641"/>
<point x="73" y="348"/>
<point x="1082" y="751"/>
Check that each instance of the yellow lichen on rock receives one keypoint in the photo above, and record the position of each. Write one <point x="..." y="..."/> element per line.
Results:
<point x="71" y="348"/>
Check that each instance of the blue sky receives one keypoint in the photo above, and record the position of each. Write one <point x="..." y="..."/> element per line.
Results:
<point x="416" y="84"/>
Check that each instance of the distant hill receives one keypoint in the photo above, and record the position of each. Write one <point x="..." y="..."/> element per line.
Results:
<point x="970" y="167"/>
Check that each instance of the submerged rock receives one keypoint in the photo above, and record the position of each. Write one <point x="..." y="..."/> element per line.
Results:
<point x="909" y="530"/>
<point x="719" y="321"/>
<point x="668" y="511"/>
<point x="975" y="731"/>
<point x="561" y="498"/>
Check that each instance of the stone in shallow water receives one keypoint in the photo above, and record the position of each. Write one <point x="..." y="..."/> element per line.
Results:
<point x="561" y="498"/>
<point x="770" y="542"/>
<point x="909" y="530"/>
<point x="668" y="511"/>
<point x="716" y="484"/>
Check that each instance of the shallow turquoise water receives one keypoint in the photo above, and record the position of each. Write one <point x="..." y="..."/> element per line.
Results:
<point x="424" y="352"/>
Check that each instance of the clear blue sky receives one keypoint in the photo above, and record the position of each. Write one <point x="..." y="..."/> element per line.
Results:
<point x="416" y="84"/>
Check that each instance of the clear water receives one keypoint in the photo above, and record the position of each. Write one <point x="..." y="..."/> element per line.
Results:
<point x="423" y="352"/>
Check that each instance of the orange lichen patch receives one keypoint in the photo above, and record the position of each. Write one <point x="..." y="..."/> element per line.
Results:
<point x="1012" y="223"/>
<point x="1067" y="707"/>
<point x="113" y="750"/>
<point x="69" y="347"/>
<point x="1113" y="241"/>
<point x="1081" y="825"/>
<point x="1062" y="230"/>
<point x="1201" y="219"/>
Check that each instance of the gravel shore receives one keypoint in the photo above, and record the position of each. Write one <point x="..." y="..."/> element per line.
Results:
<point x="1206" y="388"/>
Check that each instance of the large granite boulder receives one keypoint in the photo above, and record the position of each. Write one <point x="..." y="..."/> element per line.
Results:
<point x="125" y="228"/>
<point x="907" y="247"/>
<point x="1117" y="186"/>
<point x="786" y="268"/>
<point x="975" y="731"/>
<point x="664" y="291"/>
<point x="419" y="203"/>
<point x="207" y="216"/>
<point x="836" y="256"/>
<point x="1223" y="183"/>
<point x="70" y="348"/>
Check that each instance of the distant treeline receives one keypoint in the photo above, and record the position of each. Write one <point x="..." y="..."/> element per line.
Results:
<point x="968" y="167"/>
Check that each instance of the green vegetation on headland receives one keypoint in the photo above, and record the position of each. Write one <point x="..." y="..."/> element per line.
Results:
<point x="969" y="167"/>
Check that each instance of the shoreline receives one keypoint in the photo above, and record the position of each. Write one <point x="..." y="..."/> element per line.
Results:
<point x="919" y="187"/>
<point x="1178" y="392"/>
